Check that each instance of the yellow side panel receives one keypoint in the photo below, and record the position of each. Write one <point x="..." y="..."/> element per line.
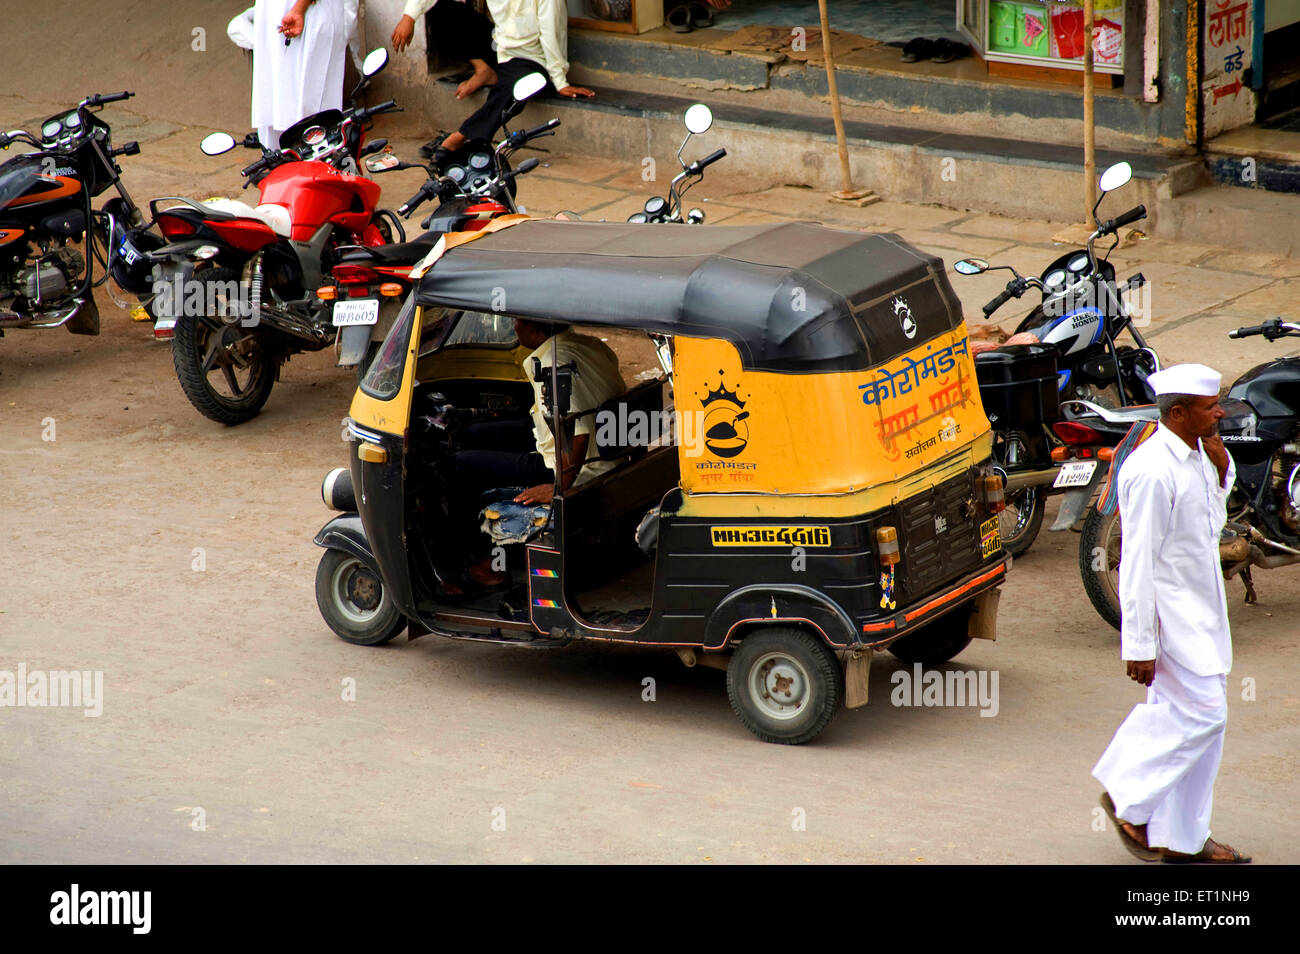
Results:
<point x="391" y="416"/>
<point x="765" y="432"/>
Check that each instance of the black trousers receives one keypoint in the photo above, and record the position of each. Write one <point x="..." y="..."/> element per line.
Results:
<point x="486" y="120"/>
<point x="494" y="454"/>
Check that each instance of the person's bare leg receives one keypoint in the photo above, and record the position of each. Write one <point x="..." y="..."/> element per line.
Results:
<point x="484" y="75"/>
<point x="453" y="142"/>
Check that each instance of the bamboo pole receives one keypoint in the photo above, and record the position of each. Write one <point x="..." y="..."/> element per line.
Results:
<point x="846" y="192"/>
<point x="1089" y="126"/>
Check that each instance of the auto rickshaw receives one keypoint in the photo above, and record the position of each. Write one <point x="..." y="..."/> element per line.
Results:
<point x="826" y="491"/>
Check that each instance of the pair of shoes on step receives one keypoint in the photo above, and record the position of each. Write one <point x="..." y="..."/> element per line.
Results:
<point x="688" y="17"/>
<point x="942" y="50"/>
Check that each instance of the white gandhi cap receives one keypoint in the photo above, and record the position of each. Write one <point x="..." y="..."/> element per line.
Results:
<point x="1186" y="379"/>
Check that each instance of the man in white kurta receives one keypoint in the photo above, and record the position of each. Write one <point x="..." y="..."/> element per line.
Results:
<point x="305" y="75"/>
<point x="1159" y="769"/>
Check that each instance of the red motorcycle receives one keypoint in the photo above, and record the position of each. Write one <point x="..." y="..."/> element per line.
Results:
<point x="235" y="287"/>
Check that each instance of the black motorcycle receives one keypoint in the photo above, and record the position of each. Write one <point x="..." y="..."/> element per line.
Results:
<point x="46" y="279"/>
<point x="1261" y="429"/>
<point x="1078" y="322"/>
<point x="698" y="119"/>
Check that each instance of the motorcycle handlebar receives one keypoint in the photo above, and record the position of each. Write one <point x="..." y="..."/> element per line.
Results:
<point x="1113" y="225"/>
<point x="698" y="165"/>
<point x="536" y="131"/>
<point x="1003" y="297"/>
<point x="99" y="99"/>
<point x="253" y="167"/>
<point x="383" y="107"/>
<point x="1273" y="324"/>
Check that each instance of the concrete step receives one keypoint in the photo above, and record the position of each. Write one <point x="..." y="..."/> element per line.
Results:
<point x="1007" y="176"/>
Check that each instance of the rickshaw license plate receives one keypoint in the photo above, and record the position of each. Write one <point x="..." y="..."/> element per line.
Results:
<point x="1075" y="474"/>
<point x="347" y="313"/>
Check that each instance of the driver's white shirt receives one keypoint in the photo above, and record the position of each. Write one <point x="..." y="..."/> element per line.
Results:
<point x="1172" y="510"/>
<point x="596" y="380"/>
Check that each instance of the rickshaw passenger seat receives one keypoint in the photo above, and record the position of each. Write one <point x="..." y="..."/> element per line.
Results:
<point x="643" y="403"/>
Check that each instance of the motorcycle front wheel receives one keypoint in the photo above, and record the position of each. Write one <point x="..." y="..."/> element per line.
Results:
<point x="223" y="367"/>
<point x="1099" y="552"/>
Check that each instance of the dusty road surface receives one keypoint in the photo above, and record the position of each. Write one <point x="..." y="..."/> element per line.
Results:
<point x="174" y="556"/>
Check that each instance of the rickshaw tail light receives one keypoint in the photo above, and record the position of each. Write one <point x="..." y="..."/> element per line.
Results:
<point x="887" y="546"/>
<point x="372" y="453"/>
<point x="327" y="293"/>
<point x="390" y="289"/>
<point x="993" y="494"/>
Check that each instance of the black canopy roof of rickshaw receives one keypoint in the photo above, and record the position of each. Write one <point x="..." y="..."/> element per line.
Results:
<point x="793" y="297"/>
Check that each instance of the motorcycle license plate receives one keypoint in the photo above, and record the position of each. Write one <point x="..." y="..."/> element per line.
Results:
<point x="1075" y="474"/>
<point x="364" y="312"/>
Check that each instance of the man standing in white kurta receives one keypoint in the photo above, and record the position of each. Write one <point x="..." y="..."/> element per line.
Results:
<point x="1160" y="768"/>
<point x="298" y="57"/>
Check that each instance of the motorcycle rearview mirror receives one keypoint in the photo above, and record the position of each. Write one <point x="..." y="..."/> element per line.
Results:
<point x="1116" y="176"/>
<point x="970" y="266"/>
<point x="699" y="119"/>
<point x="384" y="162"/>
<point x="217" y="143"/>
<point x="528" y="86"/>
<point x="374" y="62"/>
<point x="695" y="216"/>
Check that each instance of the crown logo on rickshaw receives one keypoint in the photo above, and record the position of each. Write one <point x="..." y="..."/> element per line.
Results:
<point x="721" y="394"/>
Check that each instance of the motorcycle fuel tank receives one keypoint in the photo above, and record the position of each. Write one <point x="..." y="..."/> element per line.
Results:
<point x="316" y="193"/>
<point x="1272" y="389"/>
<point x="24" y="185"/>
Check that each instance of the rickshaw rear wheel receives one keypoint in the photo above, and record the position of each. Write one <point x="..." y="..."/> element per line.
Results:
<point x="936" y="643"/>
<point x="784" y="684"/>
<point x="353" y="601"/>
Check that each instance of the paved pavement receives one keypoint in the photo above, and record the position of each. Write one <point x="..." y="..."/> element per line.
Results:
<point x="226" y="736"/>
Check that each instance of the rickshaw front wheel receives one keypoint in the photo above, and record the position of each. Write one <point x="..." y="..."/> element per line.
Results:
<point x="353" y="601"/>
<point x="784" y="684"/>
<point x="936" y="643"/>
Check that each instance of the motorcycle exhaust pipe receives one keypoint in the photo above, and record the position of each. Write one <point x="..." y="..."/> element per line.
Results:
<point x="336" y="490"/>
<point x="1030" y="478"/>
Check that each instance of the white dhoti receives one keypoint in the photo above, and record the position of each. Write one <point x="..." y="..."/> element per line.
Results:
<point x="290" y="82"/>
<point x="1161" y="765"/>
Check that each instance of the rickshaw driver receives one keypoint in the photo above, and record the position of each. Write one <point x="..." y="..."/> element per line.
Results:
<point x="515" y="453"/>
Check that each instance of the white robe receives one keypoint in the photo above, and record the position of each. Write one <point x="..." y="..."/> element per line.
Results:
<point x="290" y="82"/>
<point x="1161" y="765"/>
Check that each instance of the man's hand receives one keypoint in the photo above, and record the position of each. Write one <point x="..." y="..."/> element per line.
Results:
<point x="541" y="494"/>
<point x="291" y="25"/>
<point x="573" y="92"/>
<point x="1141" y="670"/>
<point x="1218" y="455"/>
<point x="402" y="33"/>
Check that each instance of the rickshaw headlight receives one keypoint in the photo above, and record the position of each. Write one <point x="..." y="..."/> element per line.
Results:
<point x="887" y="546"/>
<point x="993" y="493"/>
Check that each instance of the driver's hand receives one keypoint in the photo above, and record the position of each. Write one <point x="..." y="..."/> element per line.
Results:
<point x="402" y="33"/>
<point x="573" y="92"/>
<point x="541" y="494"/>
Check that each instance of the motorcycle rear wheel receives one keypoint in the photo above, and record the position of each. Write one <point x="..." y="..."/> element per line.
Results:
<point x="1099" y="553"/>
<point x="224" y="368"/>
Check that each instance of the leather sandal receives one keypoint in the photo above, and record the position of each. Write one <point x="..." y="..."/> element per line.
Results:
<point x="1205" y="856"/>
<point x="680" y="19"/>
<point x="1134" y="847"/>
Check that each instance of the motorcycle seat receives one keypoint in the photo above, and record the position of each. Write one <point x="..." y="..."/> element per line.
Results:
<point x="274" y="217"/>
<point x="1119" y="415"/>
<point x="399" y="253"/>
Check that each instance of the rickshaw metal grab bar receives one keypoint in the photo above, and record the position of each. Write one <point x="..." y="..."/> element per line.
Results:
<point x="830" y="493"/>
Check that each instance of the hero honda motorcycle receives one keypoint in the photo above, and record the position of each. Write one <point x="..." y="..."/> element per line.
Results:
<point x="1261" y="430"/>
<point x="1081" y="315"/>
<point x="371" y="279"/>
<point x="45" y="213"/>
<point x="236" y="285"/>
<point x="699" y="120"/>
